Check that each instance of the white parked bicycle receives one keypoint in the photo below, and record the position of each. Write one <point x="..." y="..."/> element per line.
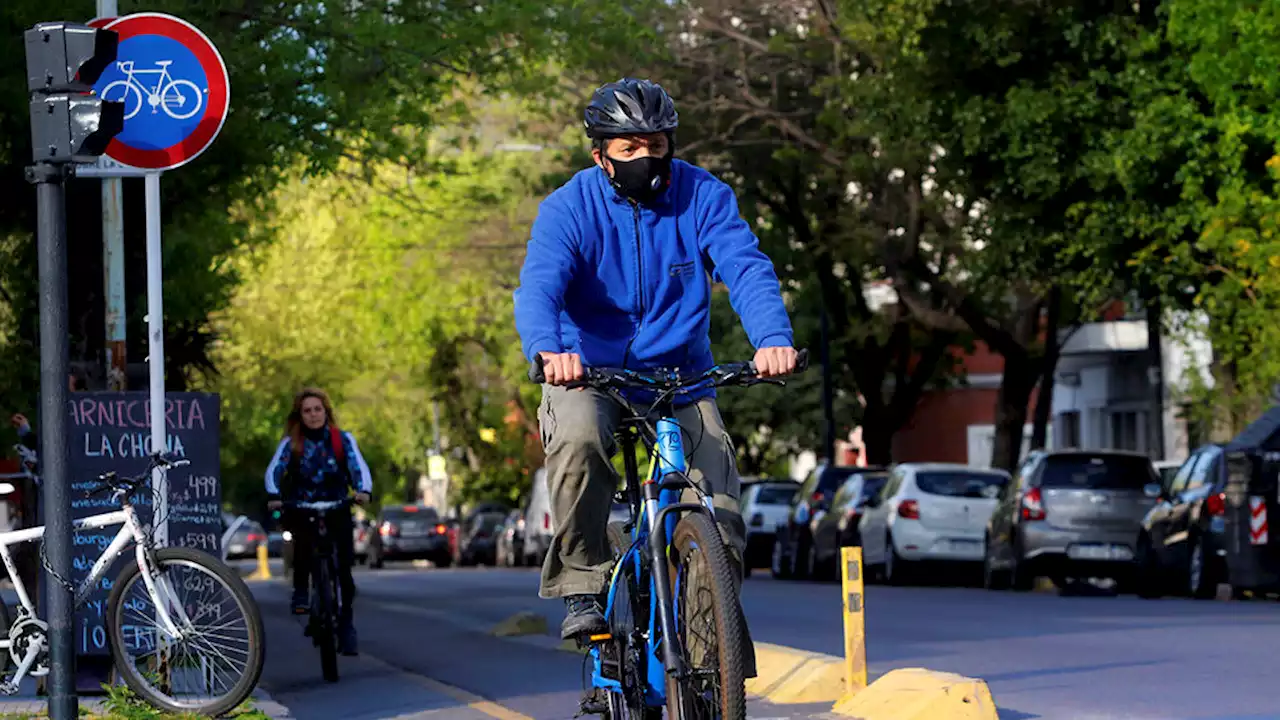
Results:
<point x="153" y="616"/>
<point x="167" y="94"/>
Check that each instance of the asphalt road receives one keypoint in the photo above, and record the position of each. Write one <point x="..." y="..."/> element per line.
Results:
<point x="426" y="652"/>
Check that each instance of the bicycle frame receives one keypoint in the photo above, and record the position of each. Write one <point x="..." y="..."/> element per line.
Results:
<point x="658" y="501"/>
<point x="130" y="531"/>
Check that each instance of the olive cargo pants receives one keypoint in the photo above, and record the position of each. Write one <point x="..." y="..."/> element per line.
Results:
<point x="577" y="432"/>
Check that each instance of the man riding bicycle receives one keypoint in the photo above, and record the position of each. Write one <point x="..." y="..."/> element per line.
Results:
<point x="617" y="275"/>
<point x="318" y="462"/>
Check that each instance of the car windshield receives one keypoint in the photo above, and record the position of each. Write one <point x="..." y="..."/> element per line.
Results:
<point x="1097" y="472"/>
<point x="1166" y="475"/>
<point x="960" y="484"/>
<point x="871" y="485"/>
<point x="833" y="478"/>
<point x="776" y="494"/>
<point x="489" y="521"/>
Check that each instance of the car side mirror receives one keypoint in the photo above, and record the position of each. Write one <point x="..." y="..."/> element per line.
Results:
<point x="1151" y="490"/>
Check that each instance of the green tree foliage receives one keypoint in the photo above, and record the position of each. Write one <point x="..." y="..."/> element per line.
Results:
<point x="388" y="301"/>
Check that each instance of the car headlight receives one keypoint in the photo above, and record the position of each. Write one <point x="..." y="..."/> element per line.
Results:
<point x="287" y="536"/>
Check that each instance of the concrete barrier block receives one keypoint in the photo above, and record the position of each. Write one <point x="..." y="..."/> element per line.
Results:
<point x="790" y="676"/>
<point x="919" y="694"/>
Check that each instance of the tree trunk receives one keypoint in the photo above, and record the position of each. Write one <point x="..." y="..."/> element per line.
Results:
<point x="877" y="436"/>
<point x="1017" y="382"/>
<point x="1052" y="349"/>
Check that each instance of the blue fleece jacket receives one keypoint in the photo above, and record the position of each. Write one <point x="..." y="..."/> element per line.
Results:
<point x="627" y="285"/>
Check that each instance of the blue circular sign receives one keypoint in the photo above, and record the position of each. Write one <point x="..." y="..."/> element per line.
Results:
<point x="163" y="88"/>
<point x="174" y="87"/>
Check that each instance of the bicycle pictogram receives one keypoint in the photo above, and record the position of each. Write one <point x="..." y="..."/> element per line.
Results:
<point x="179" y="99"/>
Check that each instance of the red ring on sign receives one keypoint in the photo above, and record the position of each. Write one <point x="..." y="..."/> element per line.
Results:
<point x="216" y="104"/>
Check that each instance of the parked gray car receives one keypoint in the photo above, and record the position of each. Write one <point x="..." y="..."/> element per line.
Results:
<point x="1068" y="514"/>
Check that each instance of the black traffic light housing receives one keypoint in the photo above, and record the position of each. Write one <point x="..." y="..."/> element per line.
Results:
<point x="68" y="122"/>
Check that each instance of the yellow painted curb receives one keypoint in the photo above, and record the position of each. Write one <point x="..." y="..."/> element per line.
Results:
<point x="522" y="623"/>
<point x="919" y="694"/>
<point x="790" y="676"/>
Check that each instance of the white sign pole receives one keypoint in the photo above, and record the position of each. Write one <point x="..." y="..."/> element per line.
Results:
<point x="155" y="355"/>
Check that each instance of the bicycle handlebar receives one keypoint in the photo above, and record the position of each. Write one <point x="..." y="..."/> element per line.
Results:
<point x="739" y="373"/>
<point x="320" y="506"/>
<point x="111" y="481"/>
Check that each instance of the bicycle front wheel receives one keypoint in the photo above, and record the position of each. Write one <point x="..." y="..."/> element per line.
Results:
<point x="214" y="663"/>
<point x="709" y="623"/>
<point x="323" y="625"/>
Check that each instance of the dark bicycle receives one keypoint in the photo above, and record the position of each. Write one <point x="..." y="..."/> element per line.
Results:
<point x="676" y="629"/>
<point x="323" y="622"/>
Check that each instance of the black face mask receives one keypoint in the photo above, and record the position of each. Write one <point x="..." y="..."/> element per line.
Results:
<point x="643" y="179"/>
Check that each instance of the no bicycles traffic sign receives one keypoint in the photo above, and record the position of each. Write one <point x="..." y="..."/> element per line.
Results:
<point x="175" y="90"/>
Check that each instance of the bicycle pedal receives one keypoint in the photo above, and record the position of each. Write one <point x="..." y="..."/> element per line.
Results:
<point x="593" y="705"/>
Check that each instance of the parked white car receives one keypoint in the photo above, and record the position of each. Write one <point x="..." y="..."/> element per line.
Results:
<point x="764" y="505"/>
<point x="928" y="511"/>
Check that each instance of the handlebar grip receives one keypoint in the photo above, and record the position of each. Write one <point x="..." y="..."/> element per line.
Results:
<point x="537" y="372"/>
<point x="802" y="363"/>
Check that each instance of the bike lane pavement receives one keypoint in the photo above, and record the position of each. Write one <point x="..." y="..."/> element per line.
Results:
<point x="432" y="662"/>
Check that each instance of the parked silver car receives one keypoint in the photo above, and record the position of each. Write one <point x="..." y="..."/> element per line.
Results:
<point x="1068" y="514"/>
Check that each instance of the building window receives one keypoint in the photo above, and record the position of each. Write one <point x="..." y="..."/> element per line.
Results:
<point x="1069" y="435"/>
<point x="1125" y="431"/>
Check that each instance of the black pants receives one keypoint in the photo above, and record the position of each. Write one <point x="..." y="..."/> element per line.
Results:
<point x="339" y="528"/>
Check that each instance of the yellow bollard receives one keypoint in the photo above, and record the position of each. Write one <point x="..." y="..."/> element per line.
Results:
<point x="855" y="627"/>
<point x="264" y="567"/>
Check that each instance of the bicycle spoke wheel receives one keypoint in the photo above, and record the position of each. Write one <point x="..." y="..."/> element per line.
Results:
<point x="709" y="621"/>
<point x="213" y="663"/>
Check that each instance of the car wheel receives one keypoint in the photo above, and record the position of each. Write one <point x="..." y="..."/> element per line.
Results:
<point x="375" y="560"/>
<point x="1150" y="582"/>
<point x="1202" y="582"/>
<point x="799" y="559"/>
<point x="992" y="579"/>
<point x="896" y="569"/>
<point x="1021" y="579"/>
<point x="779" y="565"/>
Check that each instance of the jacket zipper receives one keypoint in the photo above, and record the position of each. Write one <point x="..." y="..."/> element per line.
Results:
<point x="639" y="260"/>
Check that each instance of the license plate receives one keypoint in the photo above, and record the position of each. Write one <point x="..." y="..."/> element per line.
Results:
<point x="964" y="545"/>
<point x="1099" y="552"/>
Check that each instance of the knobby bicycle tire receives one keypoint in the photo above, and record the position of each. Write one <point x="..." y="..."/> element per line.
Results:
<point x="256" y="637"/>
<point x="629" y="708"/>
<point x="698" y="540"/>
<point x="324" y="621"/>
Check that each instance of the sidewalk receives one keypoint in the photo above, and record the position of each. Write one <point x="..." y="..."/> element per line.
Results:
<point x="28" y="704"/>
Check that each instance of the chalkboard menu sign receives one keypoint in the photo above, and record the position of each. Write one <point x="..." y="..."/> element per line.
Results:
<point x="112" y="431"/>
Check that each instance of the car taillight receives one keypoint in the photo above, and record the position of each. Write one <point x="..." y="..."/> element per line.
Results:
<point x="255" y="537"/>
<point x="441" y="529"/>
<point x="388" y="530"/>
<point x="817" y="497"/>
<point x="1032" y="505"/>
<point x="909" y="509"/>
<point x="757" y="520"/>
<point x="546" y="521"/>
<point x="1216" y="505"/>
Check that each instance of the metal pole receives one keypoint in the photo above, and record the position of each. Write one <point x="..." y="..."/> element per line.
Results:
<point x="155" y="353"/>
<point x="113" y="259"/>
<point x="828" y="412"/>
<point x="55" y="366"/>
<point x="1155" y="373"/>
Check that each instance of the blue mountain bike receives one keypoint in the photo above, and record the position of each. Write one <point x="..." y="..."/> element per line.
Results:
<point x="677" y="636"/>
